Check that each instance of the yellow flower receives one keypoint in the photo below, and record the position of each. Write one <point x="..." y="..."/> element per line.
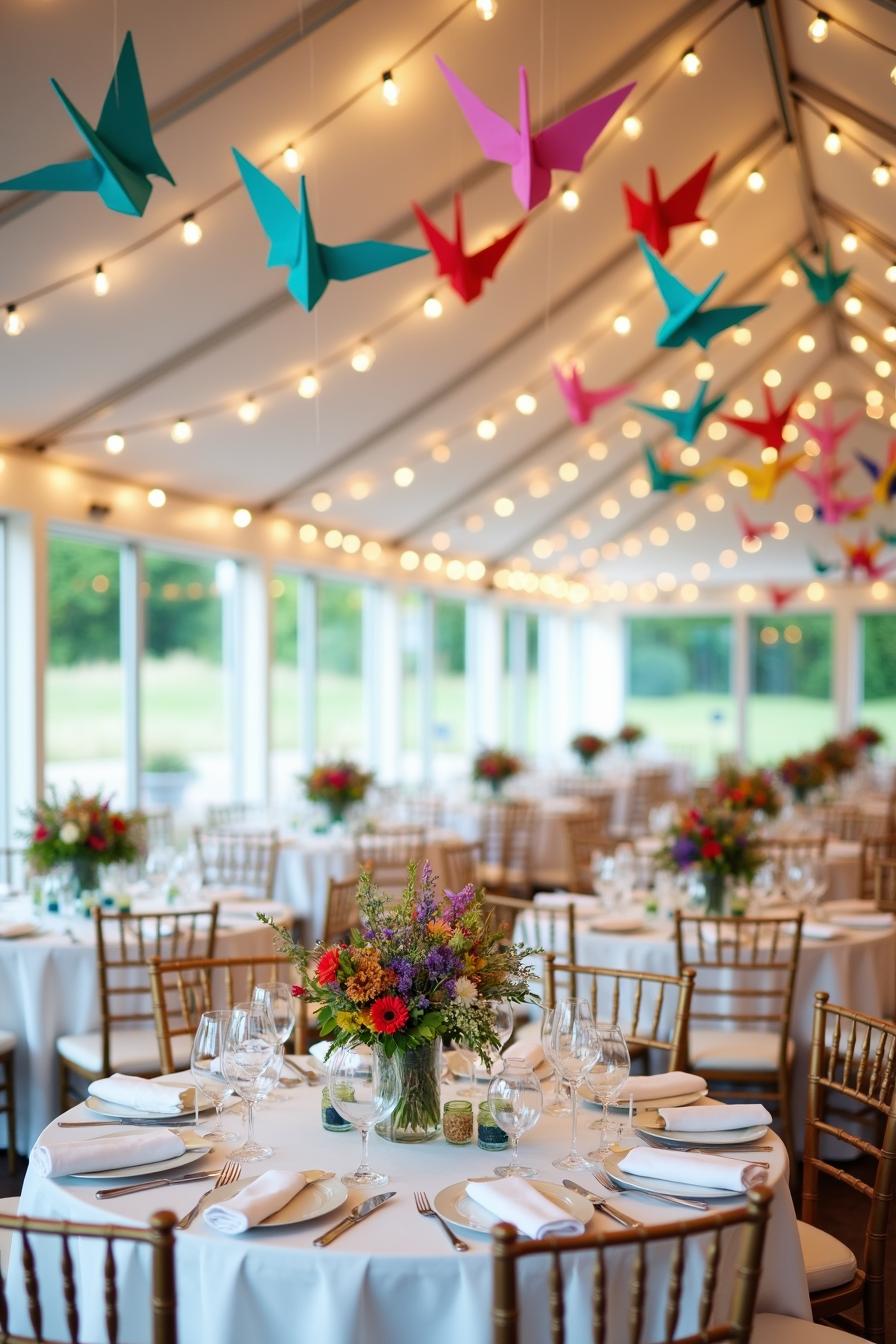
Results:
<point x="347" y="1021"/>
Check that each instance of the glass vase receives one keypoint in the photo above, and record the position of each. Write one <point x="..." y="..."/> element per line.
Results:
<point x="85" y="876"/>
<point x="336" y="813"/>
<point x="715" y="885"/>
<point x="418" y="1116"/>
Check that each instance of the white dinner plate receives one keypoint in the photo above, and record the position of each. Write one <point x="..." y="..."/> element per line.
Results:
<point x="196" y="1148"/>
<point x="713" y="1138"/>
<point x="315" y="1200"/>
<point x="651" y="1186"/>
<point x="618" y="924"/>
<point x="457" y="1208"/>
<point x="460" y="1068"/>
<point x="643" y="1108"/>
<point x="113" y="1110"/>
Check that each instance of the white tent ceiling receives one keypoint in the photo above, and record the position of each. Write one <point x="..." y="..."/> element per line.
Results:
<point x="190" y="330"/>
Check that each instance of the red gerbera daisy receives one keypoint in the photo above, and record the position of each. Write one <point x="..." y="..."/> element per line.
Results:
<point x="328" y="966"/>
<point x="388" y="1014"/>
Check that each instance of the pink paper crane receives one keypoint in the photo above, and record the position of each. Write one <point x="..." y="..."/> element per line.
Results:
<point x="656" y="217"/>
<point x="533" y="157"/>
<point x="780" y="597"/>
<point x="581" y="401"/>
<point x="828" y="434"/>
<point x="752" y="531"/>
<point x="833" y="509"/>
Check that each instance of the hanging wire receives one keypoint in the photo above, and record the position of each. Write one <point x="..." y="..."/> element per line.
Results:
<point x="836" y="22"/>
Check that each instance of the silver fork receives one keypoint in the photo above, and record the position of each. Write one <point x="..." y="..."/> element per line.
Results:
<point x="230" y="1173"/>
<point x="423" y="1206"/>
<point x="609" y="1184"/>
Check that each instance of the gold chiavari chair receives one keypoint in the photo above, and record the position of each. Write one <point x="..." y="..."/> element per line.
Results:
<point x="126" y="1041"/>
<point x="551" y="927"/>
<point x="639" y="1002"/>
<point x="506" y="847"/>
<point x="884" y="873"/>
<point x="342" y="913"/>
<point x="223" y="816"/>
<point x="184" y="989"/>
<point x="873" y="850"/>
<point x="583" y="835"/>
<point x="650" y="787"/>
<point x="853" y="1061"/>
<point x="155" y="828"/>
<point x="386" y="853"/>
<point x="747" y="1045"/>
<point x="31" y="1238"/>
<point x="8" y="1094"/>
<point x="617" y="1321"/>
<point x="459" y="861"/>
<point x="782" y="849"/>
<point x="244" y="859"/>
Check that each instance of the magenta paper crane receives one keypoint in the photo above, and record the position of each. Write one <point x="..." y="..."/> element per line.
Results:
<point x="829" y="507"/>
<point x="752" y="531"/>
<point x="781" y="596"/>
<point x="582" y="402"/>
<point x="828" y="434"/>
<point x="532" y="158"/>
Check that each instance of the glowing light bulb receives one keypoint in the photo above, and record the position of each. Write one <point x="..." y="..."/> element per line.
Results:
<point x="363" y="357"/>
<point x="853" y="305"/>
<point x="503" y="506"/>
<point x="391" y="91"/>
<point x="156" y="499"/>
<point x="849" y="242"/>
<point x="893" y="75"/>
<point x="568" y="472"/>
<point x="789" y="278"/>
<point x="717" y="431"/>
<point x="771" y="378"/>
<point x="14" y="324"/>
<point x="756" y="181"/>
<point x="249" y="411"/>
<point x="486" y="428"/>
<point x="859" y="344"/>
<point x="890" y="273"/>
<point x="321" y="501"/>
<point x="883" y="368"/>
<point x="100" y="283"/>
<point x="890" y="335"/>
<point x="432" y="307"/>
<point x="880" y="174"/>
<point x="743" y="407"/>
<point x="308" y="385"/>
<point x="806" y="343"/>
<point x="742" y="335"/>
<point x="631" y="429"/>
<point x="115" y="444"/>
<point x="874" y="397"/>
<point x="632" y="128"/>
<point x="441" y="453"/>
<point x="768" y="456"/>
<point x="292" y="159"/>
<point x="403" y="477"/>
<point x="526" y="403"/>
<point x="818" y="28"/>
<point x="704" y="371"/>
<point x="708" y="236"/>
<point x="823" y="390"/>
<point x="622" y="324"/>
<point x="639" y="487"/>
<point x="832" y="142"/>
<point x="715" y="502"/>
<point x="190" y="230"/>
<point x="486" y="9"/>
<point x="671" y="399"/>
<point x="570" y="199"/>
<point x="241" y="517"/>
<point x="181" y="431"/>
<point x="691" y="63"/>
<point x="815" y="592"/>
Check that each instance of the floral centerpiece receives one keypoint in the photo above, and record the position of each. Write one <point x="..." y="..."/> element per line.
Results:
<point x="337" y="784"/>
<point x="717" y="841"/>
<point x="414" y="974"/>
<point x="839" y="756"/>
<point x="84" y="832"/>
<point x="865" y="738"/>
<point x="494" y="766"/>
<point x="588" y="746"/>
<point x="747" y="791"/>
<point x="629" y="736"/>
<point x="803" y="774"/>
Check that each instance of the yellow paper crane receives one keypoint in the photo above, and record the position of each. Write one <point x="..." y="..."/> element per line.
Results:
<point x="764" y="479"/>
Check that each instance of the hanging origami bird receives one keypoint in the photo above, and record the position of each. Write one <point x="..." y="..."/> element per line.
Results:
<point x="686" y="319"/>
<point x="312" y="265"/>
<point x="883" y="474"/>
<point x="828" y="433"/>
<point x="662" y="480"/>
<point x="466" y="271"/>
<point x="862" y="555"/>
<point x="123" y="155"/>
<point x="582" y="402"/>
<point x="780" y="597"/>
<point x="831" y="508"/>
<point x="533" y="157"/>
<point x="771" y="429"/>
<point x="765" y="479"/>
<point x="821" y="566"/>
<point x="823" y="284"/>
<point x="655" y="218"/>
<point x="686" y="422"/>
<point x="752" y="531"/>
<point x="888" y="538"/>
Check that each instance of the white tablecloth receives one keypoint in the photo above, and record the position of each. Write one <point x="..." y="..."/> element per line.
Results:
<point x="394" y="1277"/>
<point x="48" y="988"/>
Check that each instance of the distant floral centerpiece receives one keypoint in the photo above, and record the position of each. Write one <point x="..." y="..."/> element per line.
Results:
<point x="865" y="738"/>
<point x="588" y="746"/>
<point x="337" y="784"/>
<point x="629" y="736"/>
<point x="716" y="840"/>
<point x="85" y="832"/>
<point x="839" y="756"/>
<point x="494" y="766"/>
<point x="747" y="791"/>
<point x="803" y="774"/>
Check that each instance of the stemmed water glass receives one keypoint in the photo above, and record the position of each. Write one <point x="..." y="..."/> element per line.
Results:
<point x="206" y="1066"/>
<point x="607" y="1075"/>
<point x="364" y="1089"/>
<point x="515" y="1101"/>
<point x="574" y="1048"/>
<point x="276" y="997"/>
<point x="502" y="1021"/>
<point x="251" y="1061"/>
<point x="558" y="1105"/>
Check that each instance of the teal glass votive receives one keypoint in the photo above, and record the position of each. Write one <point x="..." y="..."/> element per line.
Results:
<point x="330" y="1117"/>
<point x="490" y="1135"/>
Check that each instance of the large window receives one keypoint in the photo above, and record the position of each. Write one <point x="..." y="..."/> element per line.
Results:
<point x="412" y="625"/>
<point x="449" y="727"/>
<point x="879" y="674"/>
<point x="84" y="723"/>
<point x="186" y="696"/>
<point x="790" y="707"/>
<point x="519" y="688"/>
<point x="340" y="682"/>
<point x="678" y="685"/>
<point x="286" y="726"/>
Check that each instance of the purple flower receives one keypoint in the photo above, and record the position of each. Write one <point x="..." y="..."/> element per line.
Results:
<point x="459" y="901"/>
<point x="684" y="851"/>
<point x="423" y="1003"/>
<point x="450" y="988"/>
<point x="426" y="874"/>
<point x="404" y="971"/>
<point x="441" y="963"/>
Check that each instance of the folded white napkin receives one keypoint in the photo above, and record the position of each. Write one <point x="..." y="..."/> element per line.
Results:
<point x="617" y="923"/>
<point x="874" y="919"/>
<point x="142" y="1094"/>
<point x="514" y="1200"/>
<point x="258" y="1201"/>
<point x="708" y="1119"/>
<point x="18" y="930"/>
<point x="651" y="1086"/>
<point x="721" y="1173"/>
<point x="559" y="900"/>
<point x="108" y="1151"/>
<point x="847" y="907"/>
<point x="821" y="932"/>
<point x="320" y="1049"/>
<point x="528" y="1052"/>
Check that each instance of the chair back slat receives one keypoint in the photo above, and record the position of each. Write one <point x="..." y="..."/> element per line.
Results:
<point x="245" y="859"/>
<point x="548" y="927"/>
<point x="883" y="880"/>
<point x="69" y="1292"/>
<point x="584" y="835"/>
<point x="110" y="1293"/>
<point x="676" y="1279"/>
<point x="342" y="912"/>
<point x="874" y="849"/>
<point x="459" y="862"/>
<point x="506" y="844"/>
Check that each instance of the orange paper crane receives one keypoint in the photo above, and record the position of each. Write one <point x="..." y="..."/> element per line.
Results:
<point x="779" y="597"/>
<point x="656" y="217"/>
<point x="771" y="429"/>
<point x="466" y="271"/>
<point x="862" y="555"/>
<point x="765" y="479"/>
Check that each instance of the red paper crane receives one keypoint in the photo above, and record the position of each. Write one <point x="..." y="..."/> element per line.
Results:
<point x="582" y="401"/>
<point x="863" y="555"/>
<point x="466" y="272"/>
<point x="779" y="597"/>
<point x="655" y="218"/>
<point x="752" y="531"/>
<point x="771" y="429"/>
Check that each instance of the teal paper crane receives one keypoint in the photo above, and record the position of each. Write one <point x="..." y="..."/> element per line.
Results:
<point x="887" y="537"/>
<point x="123" y="155"/>
<point x="662" y="480"/>
<point x="823" y="284"/>
<point x="821" y="566"/>
<point x="687" y="319"/>
<point x="685" y="422"/>
<point x="290" y="229"/>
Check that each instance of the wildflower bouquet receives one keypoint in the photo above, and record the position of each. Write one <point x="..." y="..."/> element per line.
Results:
<point x="716" y="839"/>
<point x="494" y="765"/>
<point x="83" y="831"/>
<point x="748" y="791"/>
<point x="588" y="746"/>
<point x="803" y="774"/>
<point x="337" y="784"/>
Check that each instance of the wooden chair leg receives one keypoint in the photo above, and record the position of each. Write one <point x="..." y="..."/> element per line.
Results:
<point x="10" y="1083"/>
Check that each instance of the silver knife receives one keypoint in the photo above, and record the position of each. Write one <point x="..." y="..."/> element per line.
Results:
<point x="356" y="1216"/>
<point x="151" y="1185"/>
<point x="602" y="1206"/>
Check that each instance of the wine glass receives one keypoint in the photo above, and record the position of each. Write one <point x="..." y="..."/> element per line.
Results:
<point x="364" y="1089"/>
<point x="276" y="997"/>
<point x="207" y="1068"/>
<point x="250" y="1047"/>
<point x="503" y="1023"/>
<point x="607" y="1075"/>
<point x="469" y="1057"/>
<point x="559" y="1104"/>
<point x="574" y="1047"/>
<point x="515" y="1101"/>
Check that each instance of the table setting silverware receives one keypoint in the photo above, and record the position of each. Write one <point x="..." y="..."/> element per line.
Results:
<point x="117" y="1190"/>
<point x="356" y="1216"/>
<point x="164" y="1121"/>
<point x="600" y="1204"/>
<point x="732" y="1154"/>
<point x="229" y="1175"/>
<point x="421" y="1200"/>
<point x="609" y="1184"/>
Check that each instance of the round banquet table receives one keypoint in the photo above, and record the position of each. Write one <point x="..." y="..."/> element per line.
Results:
<point x="48" y="988"/>
<point x="394" y="1277"/>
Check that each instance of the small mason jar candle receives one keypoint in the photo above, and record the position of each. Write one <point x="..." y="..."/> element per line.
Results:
<point x="457" y="1122"/>
<point x="330" y="1117"/>
<point x="489" y="1134"/>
